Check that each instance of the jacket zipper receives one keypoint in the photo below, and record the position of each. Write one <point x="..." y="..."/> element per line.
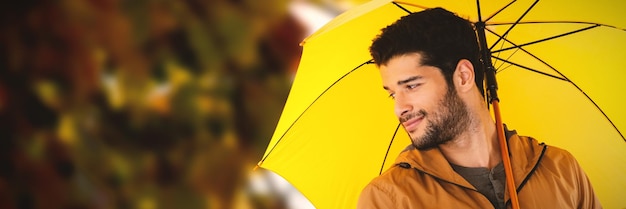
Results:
<point x="532" y="171"/>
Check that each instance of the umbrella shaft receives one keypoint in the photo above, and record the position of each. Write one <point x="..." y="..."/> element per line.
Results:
<point x="485" y="56"/>
<point x="506" y="160"/>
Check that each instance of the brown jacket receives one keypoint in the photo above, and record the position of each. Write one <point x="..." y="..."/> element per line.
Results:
<point x="546" y="177"/>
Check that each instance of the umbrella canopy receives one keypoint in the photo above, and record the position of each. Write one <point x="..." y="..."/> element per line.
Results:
<point x="559" y="75"/>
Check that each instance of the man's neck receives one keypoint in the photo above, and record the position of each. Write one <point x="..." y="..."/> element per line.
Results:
<point x="476" y="147"/>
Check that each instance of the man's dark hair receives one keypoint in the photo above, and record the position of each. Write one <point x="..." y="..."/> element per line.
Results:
<point x="441" y="37"/>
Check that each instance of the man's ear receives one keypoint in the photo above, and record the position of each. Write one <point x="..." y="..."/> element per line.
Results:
<point x="464" y="75"/>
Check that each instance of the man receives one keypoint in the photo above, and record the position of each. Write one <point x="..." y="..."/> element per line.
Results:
<point x="429" y="65"/>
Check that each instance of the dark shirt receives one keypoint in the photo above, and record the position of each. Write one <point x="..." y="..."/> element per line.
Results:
<point x="490" y="183"/>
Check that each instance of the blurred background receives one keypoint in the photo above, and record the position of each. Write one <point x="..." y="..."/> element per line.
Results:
<point x="147" y="103"/>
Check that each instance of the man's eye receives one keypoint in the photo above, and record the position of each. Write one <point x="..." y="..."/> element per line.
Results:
<point x="412" y="86"/>
<point x="392" y="95"/>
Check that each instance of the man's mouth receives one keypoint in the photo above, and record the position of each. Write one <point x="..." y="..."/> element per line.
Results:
<point x="411" y="123"/>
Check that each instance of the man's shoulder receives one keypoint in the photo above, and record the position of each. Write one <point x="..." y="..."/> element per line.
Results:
<point x="529" y="142"/>
<point x="396" y="178"/>
<point x="552" y="157"/>
<point x="551" y="151"/>
<point x="560" y="157"/>
<point x="381" y="192"/>
<point x="394" y="174"/>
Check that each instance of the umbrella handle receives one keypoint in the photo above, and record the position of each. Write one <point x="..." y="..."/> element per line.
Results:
<point x="506" y="160"/>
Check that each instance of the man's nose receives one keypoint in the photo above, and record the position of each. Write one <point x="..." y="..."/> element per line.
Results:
<point x="402" y="106"/>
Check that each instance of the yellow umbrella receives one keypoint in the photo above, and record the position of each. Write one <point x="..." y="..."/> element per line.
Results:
<point x="338" y="131"/>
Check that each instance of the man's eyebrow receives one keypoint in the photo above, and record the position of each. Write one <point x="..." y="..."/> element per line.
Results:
<point x="410" y="79"/>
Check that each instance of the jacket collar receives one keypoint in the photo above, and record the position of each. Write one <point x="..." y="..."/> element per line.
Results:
<point x="525" y="155"/>
<point x="432" y="162"/>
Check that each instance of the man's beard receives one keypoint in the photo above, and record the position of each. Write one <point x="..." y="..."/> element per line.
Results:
<point x="449" y="121"/>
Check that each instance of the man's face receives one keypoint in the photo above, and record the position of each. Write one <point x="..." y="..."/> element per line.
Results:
<point x="430" y="112"/>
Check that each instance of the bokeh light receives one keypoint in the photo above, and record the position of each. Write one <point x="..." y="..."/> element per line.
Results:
<point x="147" y="104"/>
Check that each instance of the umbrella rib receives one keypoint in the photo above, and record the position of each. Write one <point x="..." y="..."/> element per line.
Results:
<point x="528" y="68"/>
<point x="310" y="105"/>
<point x="527" y="52"/>
<point x="401" y="7"/>
<point x="576" y="86"/>
<point x="563" y="78"/>
<point x="545" y="39"/>
<point x="410" y="4"/>
<point x="500" y="10"/>
<point x="514" y="24"/>
<point x="554" y="22"/>
<point x="389" y="148"/>
<point x="498" y="53"/>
